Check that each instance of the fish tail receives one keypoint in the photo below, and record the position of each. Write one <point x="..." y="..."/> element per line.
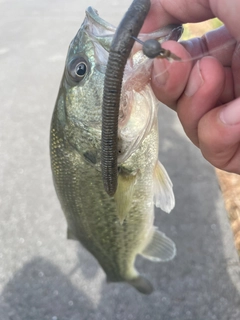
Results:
<point x="142" y="284"/>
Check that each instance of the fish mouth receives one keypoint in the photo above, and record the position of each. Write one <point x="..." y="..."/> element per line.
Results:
<point x="169" y="32"/>
<point x="102" y="32"/>
<point x="99" y="30"/>
<point x="92" y="14"/>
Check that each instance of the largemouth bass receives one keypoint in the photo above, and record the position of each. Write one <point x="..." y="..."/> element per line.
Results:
<point x="115" y="229"/>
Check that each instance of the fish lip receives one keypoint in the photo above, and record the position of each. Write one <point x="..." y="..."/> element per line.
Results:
<point x="92" y="14"/>
<point x="176" y="33"/>
<point x="169" y="32"/>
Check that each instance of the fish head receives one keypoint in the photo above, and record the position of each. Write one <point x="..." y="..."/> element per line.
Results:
<point x="81" y="90"/>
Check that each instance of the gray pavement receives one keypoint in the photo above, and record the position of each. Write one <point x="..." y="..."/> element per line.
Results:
<point x="42" y="275"/>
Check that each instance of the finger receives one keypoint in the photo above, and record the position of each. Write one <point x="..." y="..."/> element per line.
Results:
<point x="228" y="13"/>
<point x="218" y="43"/>
<point x="169" y="78"/>
<point x="163" y="12"/>
<point x="236" y="70"/>
<point x="219" y="136"/>
<point x="179" y="11"/>
<point x="228" y="93"/>
<point x="205" y="86"/>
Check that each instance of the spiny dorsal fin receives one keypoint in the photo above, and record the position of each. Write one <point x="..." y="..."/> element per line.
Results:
<point x="161" y="248"/>
<point x="124" y="195"/>
<point x="163" y="192"/>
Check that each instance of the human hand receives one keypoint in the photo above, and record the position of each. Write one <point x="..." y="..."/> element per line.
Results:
<point x="204" y="88"/>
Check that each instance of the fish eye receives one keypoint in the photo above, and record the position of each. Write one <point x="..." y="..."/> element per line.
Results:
<point x="77" y="69"/>
<point x="81" y="69"/>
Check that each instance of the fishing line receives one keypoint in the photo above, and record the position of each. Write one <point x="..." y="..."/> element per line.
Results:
<point x="153" y="49"/>
<point x="197" y="57"/>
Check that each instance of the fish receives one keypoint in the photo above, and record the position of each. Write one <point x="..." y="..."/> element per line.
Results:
<point x="114" y="229"/>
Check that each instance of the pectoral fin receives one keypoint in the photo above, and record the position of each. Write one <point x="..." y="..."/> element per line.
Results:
<point x="163" y="192"/>
<point x="124" y="195"/>
<point x="161" y="248"/>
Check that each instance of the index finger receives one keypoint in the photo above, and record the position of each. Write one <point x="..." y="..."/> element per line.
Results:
<point x="163" y="12"/>
<point x="166" y="12"/>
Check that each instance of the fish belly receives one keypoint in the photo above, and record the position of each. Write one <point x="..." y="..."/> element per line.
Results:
<point x="92" y="215"/>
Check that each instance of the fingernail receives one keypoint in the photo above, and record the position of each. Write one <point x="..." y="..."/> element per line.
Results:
<point x="230" y="114"/>
<point x="160" y="72"/>
<point x="195" y="81"/>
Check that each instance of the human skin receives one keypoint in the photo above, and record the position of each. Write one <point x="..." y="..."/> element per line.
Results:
<point x="204" y="88"/>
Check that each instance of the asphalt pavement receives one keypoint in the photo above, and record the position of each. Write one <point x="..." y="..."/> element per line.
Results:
<point x="43" y="276"/>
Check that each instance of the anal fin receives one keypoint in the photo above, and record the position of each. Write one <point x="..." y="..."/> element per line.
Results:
<point x="161" y="248"/>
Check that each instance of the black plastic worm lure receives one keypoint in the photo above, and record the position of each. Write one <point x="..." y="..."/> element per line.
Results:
<point x="120" y="50"/>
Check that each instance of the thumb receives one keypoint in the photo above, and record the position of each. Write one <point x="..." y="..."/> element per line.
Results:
<point x="219" y="136"/>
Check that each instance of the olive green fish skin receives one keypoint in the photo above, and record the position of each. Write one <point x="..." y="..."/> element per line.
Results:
<point x="91" y="213"/>
<point x="75" y="146"/>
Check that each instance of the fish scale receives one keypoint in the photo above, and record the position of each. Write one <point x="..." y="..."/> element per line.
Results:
<point x="114" y="229"/>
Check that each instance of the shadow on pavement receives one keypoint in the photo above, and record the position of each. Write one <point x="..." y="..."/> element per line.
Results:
<point x="41" y="291"/>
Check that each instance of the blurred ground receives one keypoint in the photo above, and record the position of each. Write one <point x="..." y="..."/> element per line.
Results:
<point x="198" y="29"/>
<point x="42" y="275"/>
